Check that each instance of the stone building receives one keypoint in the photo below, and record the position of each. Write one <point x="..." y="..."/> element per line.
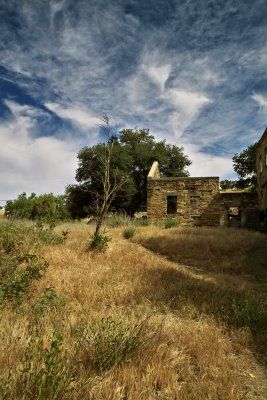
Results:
<point x="261" y="163"/>
<point x="199" y="201"/>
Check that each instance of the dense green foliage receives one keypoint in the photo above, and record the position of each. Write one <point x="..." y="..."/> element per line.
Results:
<point x="46" y="207"/>
<point x="20" y="262"/>
<point x="228" y="184"/>
<point x="133" y="154"/>
<point x="244" y="165"/>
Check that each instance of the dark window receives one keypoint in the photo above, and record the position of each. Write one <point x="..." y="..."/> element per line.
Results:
<point x="234" y="213"/>
<point x="234" y="216"/>
<point x="171" y="204"/>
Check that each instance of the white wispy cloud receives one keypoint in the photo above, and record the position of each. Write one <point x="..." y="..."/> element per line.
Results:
<point x="185" y="76"/>
<point x="43" y="164"/>
<point x="79" y="116"/>
<point x="261" y="100"/>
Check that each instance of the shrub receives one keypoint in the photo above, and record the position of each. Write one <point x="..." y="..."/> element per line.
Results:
<point x="20" y="265"/>
<point x="47" y="235"/>
<point x="17" y="275"/>
<point x="99" y="242"/>
<point x="171" y="223"/>
<point x="142" y="222"/>
<point x="48" y="301"/>
<point x="46" y="373"/>
<point x="128" y="233"/>
<point x="107" y="343"/>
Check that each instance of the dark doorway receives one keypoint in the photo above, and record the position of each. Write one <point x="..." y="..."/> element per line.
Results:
<point x="171" y="204"/>
<point x="234" y="216"/>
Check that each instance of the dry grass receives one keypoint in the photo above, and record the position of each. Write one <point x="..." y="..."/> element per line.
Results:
<point x="176" y="333"/>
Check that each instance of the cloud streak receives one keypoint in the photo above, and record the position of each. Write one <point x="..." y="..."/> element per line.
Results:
<point x="192" y="72"/>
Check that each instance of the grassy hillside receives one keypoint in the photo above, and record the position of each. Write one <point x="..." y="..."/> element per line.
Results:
<point x="168" y="314"/>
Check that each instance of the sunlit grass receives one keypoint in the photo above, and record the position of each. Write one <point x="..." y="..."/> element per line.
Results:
<point x="134" y="323"/>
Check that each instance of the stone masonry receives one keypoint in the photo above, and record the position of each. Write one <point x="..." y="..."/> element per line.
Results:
<point x="194" y="197"/>
<point x="198" y="201"/>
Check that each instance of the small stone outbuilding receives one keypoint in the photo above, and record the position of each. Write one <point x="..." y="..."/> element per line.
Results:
<point x="199" y="201"/>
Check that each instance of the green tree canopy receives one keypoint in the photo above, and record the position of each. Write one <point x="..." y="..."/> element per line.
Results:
<point x="133" y="154"/>
<point x="46" y="207"/>
<point x="244" y="165"/>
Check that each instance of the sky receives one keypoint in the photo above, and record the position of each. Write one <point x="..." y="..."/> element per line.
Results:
<point x="194" y="72"/>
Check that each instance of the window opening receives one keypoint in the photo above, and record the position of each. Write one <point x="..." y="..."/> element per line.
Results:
<point x="171" y="204"/>
<point x="234" y="213"/>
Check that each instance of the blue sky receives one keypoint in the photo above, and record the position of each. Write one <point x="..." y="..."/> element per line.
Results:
<point x="193" y="72"/>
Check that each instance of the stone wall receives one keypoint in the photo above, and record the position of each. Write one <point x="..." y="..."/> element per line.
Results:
<point x="248" y="205"/>
<point x="199" y="201"/>
<point x="195" y="198"/>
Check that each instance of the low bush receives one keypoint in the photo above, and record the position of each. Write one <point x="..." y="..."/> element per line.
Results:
<point x="49" y="301"/>
<point x="47" y="235"/>
<point x="20" y="263"/>
<point x="47" y="373"/>
<point x="128" y="233"/>
<point x="17" y="274"/>
<point x="99" y="242"/>
<point x="171" y="223"/>
<point x="142" y="222"/>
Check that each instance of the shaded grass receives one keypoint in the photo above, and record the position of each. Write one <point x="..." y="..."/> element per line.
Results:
<point x="213" y="249"/>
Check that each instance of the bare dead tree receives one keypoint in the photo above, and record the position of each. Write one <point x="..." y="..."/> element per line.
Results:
<point x="111" y="185"/>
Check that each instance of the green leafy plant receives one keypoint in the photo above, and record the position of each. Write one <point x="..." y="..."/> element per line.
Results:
<point x="47" y="372"/>
<point x="47" y="234"/>
<point x="48" y="301"/>
<point x="99" y="242"/>
<point x="17" y="276"/>
<point x="171" y="223"/>
<point x="142" y="222"/>
<point x="20" y="263"/>
<point x="128" y="233"/>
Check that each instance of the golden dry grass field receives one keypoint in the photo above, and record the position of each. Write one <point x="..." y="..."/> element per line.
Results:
<point x="169" y="314"/>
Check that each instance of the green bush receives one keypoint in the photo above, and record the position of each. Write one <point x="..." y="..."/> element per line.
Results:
<point x="47" y="235"/>
<point x="107" y="343"/>
<point x="20" y="264"/>
<point x="99" y="242"/>
<point x="48" y="301"/>
<point x="47" y="373"/>
<point x="142" y="222"/>
<point x="128" y="233"/>
<point x="17" y="275"/>
<point x="171" y="223"/>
